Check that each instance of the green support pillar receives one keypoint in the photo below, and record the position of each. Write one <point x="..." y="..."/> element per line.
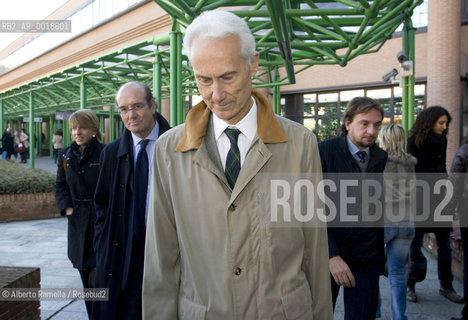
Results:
<point x="276" y="100"/>
<point x="175" y="77"/>
<point x="111" y="124"/>
<point x="157" y="80"/>
<point x="82" y="93"/>
<point x="51" y="135"/>
<point x="180" y="98"/>
<point x="1" y="117"/>
<point x="102" y="126"/>
<point x="31" y="130"/>
<point x="407" y="83"/>
<point x="411" y="56"/>
<point x="38" y="126"/>
<point x="66" y="133"/>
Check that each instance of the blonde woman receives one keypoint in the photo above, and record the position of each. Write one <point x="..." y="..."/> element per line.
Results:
<point x="77" y="175"/>
<point x="399" y="228"/>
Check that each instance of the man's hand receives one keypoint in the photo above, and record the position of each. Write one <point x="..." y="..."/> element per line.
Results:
<point x="69" y="211"/>
<point x="341" y="272"/>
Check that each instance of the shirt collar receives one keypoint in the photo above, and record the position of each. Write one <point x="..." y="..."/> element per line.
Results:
<point x="153" y="136"/>
<point x="353" y="148"/>
<point x="247" y="125"/>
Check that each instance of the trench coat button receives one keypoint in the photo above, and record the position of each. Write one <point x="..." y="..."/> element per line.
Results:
<point x="115" y="243"/>
<point x="119" y="214"/>
<point x="232" y="207"/>
<point x="122" y="186"/>
<point x="238" y="271"/>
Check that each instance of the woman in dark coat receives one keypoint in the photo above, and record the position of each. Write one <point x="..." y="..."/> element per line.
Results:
<point x="8" y="143"/>
<point x="77" y="174"/>
<point x="428" y="143"/>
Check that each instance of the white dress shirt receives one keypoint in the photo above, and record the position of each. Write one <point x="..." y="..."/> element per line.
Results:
<point x="248" y="128"/>
<point x="152" y="137"/>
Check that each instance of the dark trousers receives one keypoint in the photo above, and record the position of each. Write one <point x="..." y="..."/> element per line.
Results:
<point x="444" y="256"/>
<point x="87" y="278"/>
<point x="56" y="155"/>
<point x="464" y="234"/>
<point x="130" y="303"/>
<point x="361" y="301"/>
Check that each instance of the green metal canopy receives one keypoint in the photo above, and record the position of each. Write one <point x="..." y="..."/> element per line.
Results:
<point x="291" y="37"/>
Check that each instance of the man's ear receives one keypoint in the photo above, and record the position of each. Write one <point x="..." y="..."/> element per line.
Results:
<point x="153" y="106"/>
<point x="254" y="64"/>
<point x="346" y="123"/>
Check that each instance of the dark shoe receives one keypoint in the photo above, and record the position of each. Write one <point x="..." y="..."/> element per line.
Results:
<point x="411" y="295"/>
<point x="451" y="295"/>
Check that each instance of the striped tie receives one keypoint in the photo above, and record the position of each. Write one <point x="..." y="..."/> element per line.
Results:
<point x="233" y="163"/>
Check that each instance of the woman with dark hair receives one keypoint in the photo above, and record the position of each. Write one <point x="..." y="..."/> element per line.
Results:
<point x="77" y="175"/>
<point x="428" y="143"/>
<point x="459" y="178"/>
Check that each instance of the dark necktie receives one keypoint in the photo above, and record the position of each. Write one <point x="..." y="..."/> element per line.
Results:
<point x="362" y="155"/>
<point x="140" y="190"/>
<point x="233" y="163"/>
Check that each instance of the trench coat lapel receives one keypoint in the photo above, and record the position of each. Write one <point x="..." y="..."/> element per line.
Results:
<point x="256" y="158"/>
<point x="207" y="156"/>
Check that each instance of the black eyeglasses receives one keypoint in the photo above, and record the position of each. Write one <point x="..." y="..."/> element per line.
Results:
<point x="136" y="107"/>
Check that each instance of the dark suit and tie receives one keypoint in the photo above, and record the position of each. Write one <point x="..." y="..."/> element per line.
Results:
<point x="121" y="204"/>
<point x="356" y="253"/>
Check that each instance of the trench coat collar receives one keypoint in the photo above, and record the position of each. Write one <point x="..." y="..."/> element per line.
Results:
<point x="269" y="129"/>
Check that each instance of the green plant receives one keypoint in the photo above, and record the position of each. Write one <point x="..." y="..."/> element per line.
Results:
<point x="14" y="179"/>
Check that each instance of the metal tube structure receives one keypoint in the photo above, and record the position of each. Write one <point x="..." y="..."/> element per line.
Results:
<point x="173" y="79"/>
<point x="82" y="93"/>
<point x="31" y="130"/>
<point x="157" y="79"/>
<point x="411" y="79"/>
<point x="1" y="117"/>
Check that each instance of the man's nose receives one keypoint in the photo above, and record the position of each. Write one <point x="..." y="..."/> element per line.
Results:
<point x="218" y="93"/>
<point x="372" y="129"/>
<point x="132" y="113"/>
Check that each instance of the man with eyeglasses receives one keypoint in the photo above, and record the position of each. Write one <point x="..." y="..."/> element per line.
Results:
<point x="121" y="203"/>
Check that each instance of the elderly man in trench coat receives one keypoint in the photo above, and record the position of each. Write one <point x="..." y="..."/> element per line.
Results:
<point x="211" y="249"/>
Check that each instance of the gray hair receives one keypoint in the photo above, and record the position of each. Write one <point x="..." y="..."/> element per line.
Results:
<point x="218" y="24"/>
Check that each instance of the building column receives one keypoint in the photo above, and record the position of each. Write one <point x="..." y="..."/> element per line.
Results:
<point x="294" y="107"/>
<point x="443" y="58"/>
<point x="166" y="109"/>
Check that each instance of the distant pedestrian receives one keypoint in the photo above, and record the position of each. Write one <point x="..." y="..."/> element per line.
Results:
<point x="8" y="143"/>
<point x="57" y="141"/>
<point x="22" y="145"/>
<point x="77" y="175"/>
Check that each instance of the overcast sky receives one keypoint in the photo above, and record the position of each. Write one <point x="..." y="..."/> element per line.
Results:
<point x="24" y="10"/>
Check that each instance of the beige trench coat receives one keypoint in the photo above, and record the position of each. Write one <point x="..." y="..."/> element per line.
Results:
<point x="212" y="253"/>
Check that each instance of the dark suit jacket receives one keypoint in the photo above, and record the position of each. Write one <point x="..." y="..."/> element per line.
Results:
<point x="112" y="200"/>
<point x="354" y="245"/>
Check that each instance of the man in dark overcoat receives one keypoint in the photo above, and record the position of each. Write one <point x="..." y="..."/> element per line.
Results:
<point x="356" y="252"/>
<point x="119" y="242"/>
